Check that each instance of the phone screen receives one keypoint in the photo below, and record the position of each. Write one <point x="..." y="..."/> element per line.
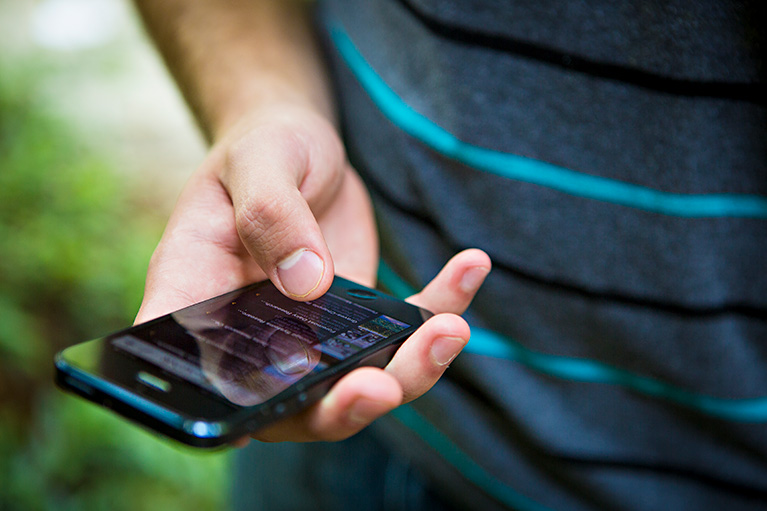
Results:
<point x="248" y="346"/>
<point x="238" y="361"/>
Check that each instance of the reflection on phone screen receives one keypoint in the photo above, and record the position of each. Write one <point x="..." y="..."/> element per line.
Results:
<point x="250" y="345"/>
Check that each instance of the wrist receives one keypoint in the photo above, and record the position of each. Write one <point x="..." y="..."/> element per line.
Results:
<point x="231" y="57"/>
<point x="267" y="101"/>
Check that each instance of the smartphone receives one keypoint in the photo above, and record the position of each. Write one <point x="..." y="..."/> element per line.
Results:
<point x="215" y="371"/>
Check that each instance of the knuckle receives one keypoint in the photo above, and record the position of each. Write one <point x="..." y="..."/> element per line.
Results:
<point x="447" y="324"/>
<point x="260" y="222"/>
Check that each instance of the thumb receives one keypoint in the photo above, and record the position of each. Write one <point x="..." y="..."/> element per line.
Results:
<point x="268" y="177"/>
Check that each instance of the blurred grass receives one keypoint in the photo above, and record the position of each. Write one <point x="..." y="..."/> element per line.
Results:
<point x="75" y="238"/>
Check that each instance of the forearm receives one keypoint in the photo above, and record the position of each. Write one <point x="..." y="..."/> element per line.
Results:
<point x="231" y="57"/>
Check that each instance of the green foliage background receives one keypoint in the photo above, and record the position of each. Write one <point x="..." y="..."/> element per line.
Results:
<point x="75" y="239"/>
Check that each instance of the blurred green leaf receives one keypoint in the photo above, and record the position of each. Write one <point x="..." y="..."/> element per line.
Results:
<point x="75" y="239"/>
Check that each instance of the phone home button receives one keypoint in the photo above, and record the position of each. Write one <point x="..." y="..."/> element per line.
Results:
<point x="153" y="381"/>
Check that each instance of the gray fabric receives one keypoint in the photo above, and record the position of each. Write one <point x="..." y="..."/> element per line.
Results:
<point x="664" y="297"/>
<point x="709" y="40"/>
<point x="358" y="474"/>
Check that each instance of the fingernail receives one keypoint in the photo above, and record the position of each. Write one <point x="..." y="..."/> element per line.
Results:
<point x="473" y="278"/>
<point x="365" y="411"/>
<point x="445" y="349"/>
<point x="300" y="272"/>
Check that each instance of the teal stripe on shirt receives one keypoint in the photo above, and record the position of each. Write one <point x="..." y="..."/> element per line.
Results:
<point x="470" y="469"/>
<point x="492" y="344"/>
<point x="534" y="171"/>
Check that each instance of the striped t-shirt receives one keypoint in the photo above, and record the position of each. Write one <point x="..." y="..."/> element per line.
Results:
<point x="611" y="158"/>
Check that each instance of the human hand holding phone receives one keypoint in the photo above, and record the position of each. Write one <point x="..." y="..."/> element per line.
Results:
<point x="278" y="187"/>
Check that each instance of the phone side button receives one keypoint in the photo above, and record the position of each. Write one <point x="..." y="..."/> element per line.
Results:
<point x="302" y="397"/>
<point x="279" y="409"/>
<point x="76" y="384"/>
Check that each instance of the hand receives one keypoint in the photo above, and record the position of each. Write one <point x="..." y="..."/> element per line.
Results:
<point x="274" y="199"/>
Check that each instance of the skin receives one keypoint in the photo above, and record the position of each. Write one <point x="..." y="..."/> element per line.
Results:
<point x="276" y="198"/>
